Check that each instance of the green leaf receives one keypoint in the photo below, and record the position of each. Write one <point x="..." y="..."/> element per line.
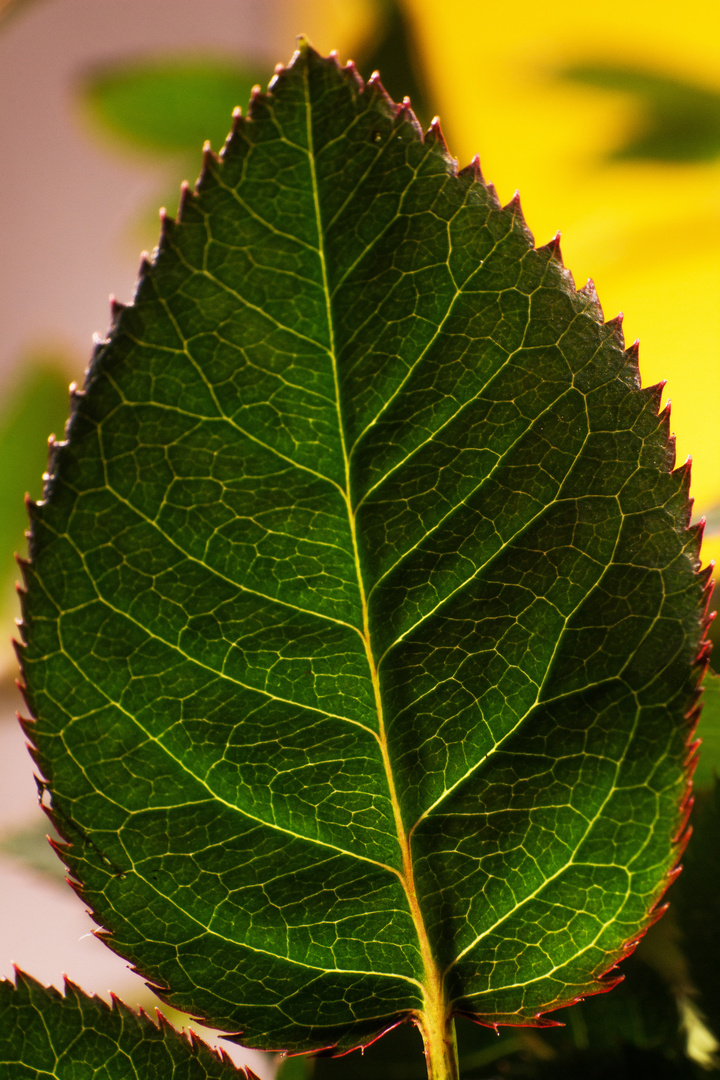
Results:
<point x="167" y="105"/>
<point x="363" y="606"/>
<point x="45" y="1035"/>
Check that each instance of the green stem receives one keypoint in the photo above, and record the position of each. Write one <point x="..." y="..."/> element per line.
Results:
<point x="441" y="1056"/>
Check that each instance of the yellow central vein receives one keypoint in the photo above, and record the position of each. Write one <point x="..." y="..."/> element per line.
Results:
<point x="433" y="986"/>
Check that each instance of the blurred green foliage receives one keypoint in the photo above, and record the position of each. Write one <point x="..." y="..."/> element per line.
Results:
<point x="708" y="731"/>
<point x="393" y="53"/>
<point x="168" y="105"/>
<point x="678" y="121"/>
<point x="696" y="898"/>
<point x="37" y="408"/>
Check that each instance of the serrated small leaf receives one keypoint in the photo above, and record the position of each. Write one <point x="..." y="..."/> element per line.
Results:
<point x="44" y="1035"/>
<point x="363" y="606"/>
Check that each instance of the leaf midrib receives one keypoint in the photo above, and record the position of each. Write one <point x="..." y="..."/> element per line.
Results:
<point x="433" y="984"/>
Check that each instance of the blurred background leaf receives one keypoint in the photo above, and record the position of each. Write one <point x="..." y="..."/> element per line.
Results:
<point x="708" y="731"/>
<point x="696" y="900"/>
<point x="169" y="105"/>
<point x="37" y="408"/>
<point x="393" y="51"/>
<point x="677" y="121"/>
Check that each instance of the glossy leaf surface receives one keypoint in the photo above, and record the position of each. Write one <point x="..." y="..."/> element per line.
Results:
<point x="363" y="609"/>
<point x="47" y="1036"/>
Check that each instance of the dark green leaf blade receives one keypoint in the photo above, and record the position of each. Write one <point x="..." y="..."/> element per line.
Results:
<point x="363" y="606"/>
<point x="44" y="1034"/>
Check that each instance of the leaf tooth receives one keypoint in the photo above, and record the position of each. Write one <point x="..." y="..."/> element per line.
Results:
<point x="706" y="580"/>
<point x="514" y="208"/>
<point x="632" y="360"/>
<point x="703" y="658"/>
<point x="695" y="536"/>
<point x="589" y="293"/>
<point x="25" y="983"/>
<point x="352" y="72"/>
<point x="552" y="248"/>
<point x="62" y="850"/>
<point x="669" y="437"/>
<point x="404" y="112"/>
<point x="187" y="1034"/>
<point x="377" y="94"/>
<point x="235" y="136"/>
<point x="435" y="139"/>
<point x="653" y="395"/>
<point x="186" y="195"/>
<point x="686" y="805"/>
<point x="167" y="226"/>
<point x="692" y="758"/>
<point x="658" y="912"/>
<point x="545" y="1021"/>
<point x="146" y="263"/>
<point x="681" y="475"/>
<point x="473" y="171"/>
<point x="210" y="162"/>
<point x="614" y="329"/>
<point x="116" y="310"/>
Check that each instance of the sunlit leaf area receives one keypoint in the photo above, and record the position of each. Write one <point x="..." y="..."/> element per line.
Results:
<point x="606" y="119"/>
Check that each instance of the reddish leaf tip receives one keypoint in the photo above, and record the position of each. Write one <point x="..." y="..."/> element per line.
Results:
<point x="473" y="170"/>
